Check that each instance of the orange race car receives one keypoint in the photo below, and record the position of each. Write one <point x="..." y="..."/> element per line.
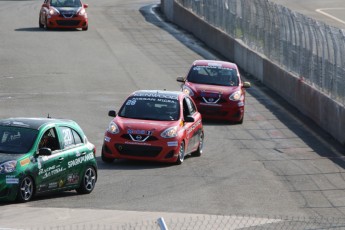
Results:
<point x="63" y="14"/>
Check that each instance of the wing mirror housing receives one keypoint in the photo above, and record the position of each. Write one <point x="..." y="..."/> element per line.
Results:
<point x="44" y="152"/>
<point x="189" y="119"/>
<point x="246" y="84"/>
<point x="112" y="113"/>
<point x="180" y="79"/>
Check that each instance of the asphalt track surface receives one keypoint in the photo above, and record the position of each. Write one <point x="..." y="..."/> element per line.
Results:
<point x="277" y="163"/>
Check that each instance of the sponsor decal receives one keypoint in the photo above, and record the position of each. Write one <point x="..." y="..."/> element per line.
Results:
<point x="157" y="95"/>
<point x="139" y="132"/>
<point x="137" y="143"/>
<point x="51" y="171"/>
<point x="107" y="139"/>
<point x="72" y="179"/>
<point x="53" y="185"/>
<point x="61" y="183"/>
<point x="25" y="162"/>
<point x="193" y="126"/>
<point x="12" y="180"/>
<point x="80" y="160"/>
<point x="172" y="143"/>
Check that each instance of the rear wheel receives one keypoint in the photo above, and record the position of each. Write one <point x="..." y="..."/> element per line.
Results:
<point x="181" y="154"/>
<point x="198" y="152"/>
<point x="88" y="182"/>
<point x="26" y="189"/>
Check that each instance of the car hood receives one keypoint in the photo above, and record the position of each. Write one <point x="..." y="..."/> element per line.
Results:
<point x="71" y="10"/>
<point x="136" y="126"/>
<point x="218" y="89"/>
<point x="8" y="157"/>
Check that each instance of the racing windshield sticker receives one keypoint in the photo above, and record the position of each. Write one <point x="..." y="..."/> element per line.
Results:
<point x="24" y="162"/>
<point x="80" y="160"/>
<point x="157" y="95"/>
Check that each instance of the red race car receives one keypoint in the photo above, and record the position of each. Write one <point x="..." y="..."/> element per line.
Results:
<point x="217" y="89"/>
<point x="63" y="14"/>
<point x="154" y="125"/>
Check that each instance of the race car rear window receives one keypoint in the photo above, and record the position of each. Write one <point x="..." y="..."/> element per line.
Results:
<point x="151" y="108"/>
<point x="16" y="140"/>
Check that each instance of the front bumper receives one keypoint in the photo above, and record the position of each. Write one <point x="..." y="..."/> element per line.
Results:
<point x="58" y="21"/>
<point x="159" y="150"/>
<point x="229" y="112"/>
<point x="8" y="188"/>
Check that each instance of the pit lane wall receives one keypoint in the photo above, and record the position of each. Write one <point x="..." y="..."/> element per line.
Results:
<point x="304" y="93"/>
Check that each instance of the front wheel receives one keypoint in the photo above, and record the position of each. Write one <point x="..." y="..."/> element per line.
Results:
<point x="106" y="159"/>
<point x="181" y="154"/>
<point x="26" y="189"/>
<point x="88" y="182"/>
<point x="39" y="23"/>
<point x="198" y="152"/>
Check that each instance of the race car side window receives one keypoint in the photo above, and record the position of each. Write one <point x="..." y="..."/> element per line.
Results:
<point x="190" y="105"/>
<point x="70" y="137"/>
<point x="49" y="140"/>
<point x="186" y="111"/>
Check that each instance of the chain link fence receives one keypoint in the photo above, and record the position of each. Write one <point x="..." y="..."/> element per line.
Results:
<point x="310" y="49"/>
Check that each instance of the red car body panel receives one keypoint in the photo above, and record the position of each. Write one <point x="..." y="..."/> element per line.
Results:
<point x="63" y="16"/>
<point x="213" y="101"/>
<point x="140" y="139"/>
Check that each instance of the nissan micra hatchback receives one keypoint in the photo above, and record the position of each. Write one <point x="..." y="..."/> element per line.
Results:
<point x="39" y="155"/>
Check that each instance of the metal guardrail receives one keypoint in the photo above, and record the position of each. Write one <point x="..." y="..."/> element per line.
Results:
<point x="310" y="49"/>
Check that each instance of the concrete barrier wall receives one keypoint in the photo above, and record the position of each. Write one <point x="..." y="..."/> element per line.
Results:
<point x="324" y="111"/>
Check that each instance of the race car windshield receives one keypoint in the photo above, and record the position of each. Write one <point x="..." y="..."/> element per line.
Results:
<point x="213" y="75"/>
<point x="65" y="3"/>
<point x="16" y="140"/>
<point x="151" y="108"/>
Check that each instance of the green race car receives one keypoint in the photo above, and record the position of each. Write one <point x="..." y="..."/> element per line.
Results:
<point x="39" y="155"/>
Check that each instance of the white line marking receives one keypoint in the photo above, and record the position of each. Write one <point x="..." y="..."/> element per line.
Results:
<point x="321" y="11"/>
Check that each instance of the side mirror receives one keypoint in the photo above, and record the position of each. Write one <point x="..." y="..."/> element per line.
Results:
<point x="189" y="119"/>
<point x="246" y="84"/>
<point x="180" y="79"/>
<point x="85" y="5"/>
<point x="112" y="113"/>
<point x="44" y="152"/>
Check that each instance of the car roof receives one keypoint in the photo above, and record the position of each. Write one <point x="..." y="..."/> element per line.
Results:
<point x="223" y="64"/>
<point x="32" y="123"/>
<point x="158" y="93"/>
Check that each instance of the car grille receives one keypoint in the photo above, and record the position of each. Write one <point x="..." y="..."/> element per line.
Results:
<point x="138" y="150"/>
<point x="68" y="22"/>
<point x="142" y="137"/>
<point x="212" y="111"/>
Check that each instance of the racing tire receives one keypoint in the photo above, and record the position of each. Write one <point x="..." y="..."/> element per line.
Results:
<point x="25" y="189"/>
<point x="85" y="28"/>
<point x="47" y="27"/>
<point x="88" y="181"/>
<point x="198" y="152"/>
<point x="40" y="24"/>
<point x="181" y="154"/>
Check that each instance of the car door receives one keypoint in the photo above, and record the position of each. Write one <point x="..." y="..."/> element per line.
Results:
<point x="192" y="128"/>
<point x="78" y="155"/>
<point x="51" y="168"/>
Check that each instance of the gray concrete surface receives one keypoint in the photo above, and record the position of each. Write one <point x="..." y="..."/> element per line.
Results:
<point x="276" y="164"/>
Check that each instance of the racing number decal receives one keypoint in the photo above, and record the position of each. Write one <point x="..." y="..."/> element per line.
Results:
<point x="67" y="137"/>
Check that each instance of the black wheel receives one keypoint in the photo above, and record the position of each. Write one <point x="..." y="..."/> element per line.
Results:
<point x="181" y="154"/>
<point x="85" y="28"/>
<point x="106" y="159"/>
<point x="39" y="23"/>
<point x="47" y="27"/>
<point x="198" y="152"/>
<point x="88" y="182"/>
<point x="26" y="189"/>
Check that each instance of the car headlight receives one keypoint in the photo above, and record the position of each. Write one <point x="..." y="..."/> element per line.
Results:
<point x="82" y="12"/>
<point x="236" y="96"/>
<point x="113" y="128"/>
<point x="53" y="12"/>
<point x="188" y="91"/>
<point x="169" y="132"/>
<point x="8" y="167"/>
